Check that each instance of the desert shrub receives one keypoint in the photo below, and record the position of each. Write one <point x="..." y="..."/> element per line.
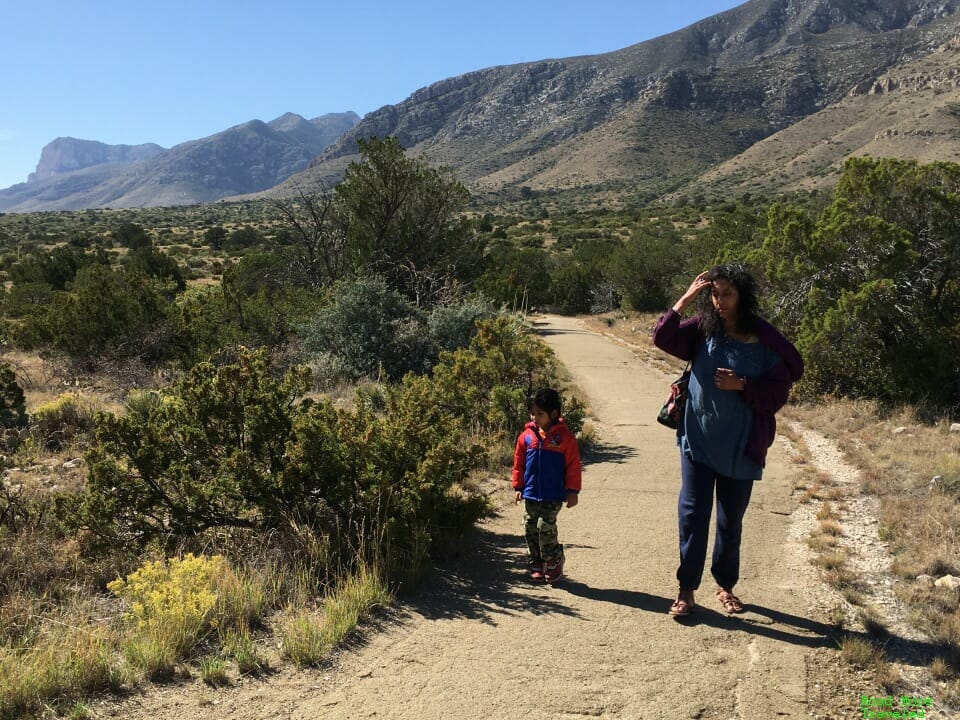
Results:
<point x="371" y="330"/>
<point x="59" y="422"/>
<point x="27" y="298"/>
<point x="132" y="236"/>
<point x="199" y="325"/>
<point x="210" y="454"/>
<point x="516" y="277"/>
<point x="643" y="270"/>
<point x="242" y="238"/>
<point x="571" y="286"/>
<point x="230" y="445"/>
<point x="103" y="310"/>
<point x="55" y="268"/>
<point x="452" y="326"/>
<point x="258" y="303"/>
<point x="152" y="263"/>
<point x="174" y="604"/>
<point x="214" y="237"/>
<point x="171" y="604"/>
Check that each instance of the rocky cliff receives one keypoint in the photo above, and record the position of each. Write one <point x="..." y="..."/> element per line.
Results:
<point x="67" y="154"/>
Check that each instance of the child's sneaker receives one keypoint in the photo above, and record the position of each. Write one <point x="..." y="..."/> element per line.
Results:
<point x="553" y="571"/>
<point x="536" y="571"/>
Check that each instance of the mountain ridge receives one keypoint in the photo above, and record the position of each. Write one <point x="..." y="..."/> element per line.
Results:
<point x="657" y="114"/>
<point x="248" y="157"/>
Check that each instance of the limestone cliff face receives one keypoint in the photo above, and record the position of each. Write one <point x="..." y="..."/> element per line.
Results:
<point x="67" y="154"/>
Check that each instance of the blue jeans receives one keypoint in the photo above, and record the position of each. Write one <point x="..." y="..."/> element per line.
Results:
<point x="698" y="482"/>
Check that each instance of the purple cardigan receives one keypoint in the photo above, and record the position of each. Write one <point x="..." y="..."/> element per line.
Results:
<point x="765" y="395"/>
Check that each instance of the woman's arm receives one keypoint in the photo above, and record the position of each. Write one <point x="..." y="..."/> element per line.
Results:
<point x="679" y="337"/>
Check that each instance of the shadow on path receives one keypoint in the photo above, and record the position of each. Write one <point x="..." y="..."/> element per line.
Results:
<point x="618" y="596"/>
<point x="805" y="632"/>
<point x="488" y="580"/>
<point x="607" y="453"/>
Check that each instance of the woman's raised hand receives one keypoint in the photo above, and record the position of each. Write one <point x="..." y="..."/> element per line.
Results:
<point x="698" y="284"/>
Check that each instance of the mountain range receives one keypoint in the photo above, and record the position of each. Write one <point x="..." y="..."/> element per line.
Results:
<point x="250" y="157"/>
<point x="770" y="95"/>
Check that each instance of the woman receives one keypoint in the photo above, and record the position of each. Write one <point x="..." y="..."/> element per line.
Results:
<point x="741" y="372"/>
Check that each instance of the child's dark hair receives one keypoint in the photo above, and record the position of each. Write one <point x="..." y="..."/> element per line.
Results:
<point x="748" y="307"/>
<point x="546" y="399"/>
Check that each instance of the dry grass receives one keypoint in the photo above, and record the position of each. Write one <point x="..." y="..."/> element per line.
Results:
<point x="899" y="457"/>
<point x="306" y="639"/>
<point x="861" y="653"/>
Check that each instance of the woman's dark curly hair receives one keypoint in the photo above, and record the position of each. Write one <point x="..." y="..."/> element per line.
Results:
<point x="747" y="308"/>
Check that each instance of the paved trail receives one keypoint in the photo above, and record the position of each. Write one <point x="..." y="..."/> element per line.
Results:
<point x="481" y="642"/>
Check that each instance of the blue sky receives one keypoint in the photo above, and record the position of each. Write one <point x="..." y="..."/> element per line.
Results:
<point x="132" y="72"/>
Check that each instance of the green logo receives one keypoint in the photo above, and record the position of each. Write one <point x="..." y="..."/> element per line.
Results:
<point x="887" y="707"/>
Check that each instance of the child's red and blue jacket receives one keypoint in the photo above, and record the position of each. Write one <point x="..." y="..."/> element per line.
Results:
<point x="546" y="465"/>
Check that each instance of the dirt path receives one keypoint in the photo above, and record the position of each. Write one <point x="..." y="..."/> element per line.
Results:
<point x="481" y="642"/>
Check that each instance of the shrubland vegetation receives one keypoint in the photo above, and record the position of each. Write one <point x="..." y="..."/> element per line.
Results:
<point x="287" y="408"/>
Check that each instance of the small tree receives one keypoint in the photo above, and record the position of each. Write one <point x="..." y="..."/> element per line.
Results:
<point x="402" y="219"/>
<point x="132" y="236"/>
<point x="214" y="237"/>
<point x="644" y="269"/>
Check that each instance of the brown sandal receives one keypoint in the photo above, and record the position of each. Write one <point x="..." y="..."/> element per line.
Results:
<point x="683" y="605"/>
<point x="730" y="602"/>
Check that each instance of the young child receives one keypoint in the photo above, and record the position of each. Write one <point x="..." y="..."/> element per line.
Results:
<point x="546" y="472"/>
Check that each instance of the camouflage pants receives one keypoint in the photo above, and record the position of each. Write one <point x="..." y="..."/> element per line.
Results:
<point x="540" y="524"/>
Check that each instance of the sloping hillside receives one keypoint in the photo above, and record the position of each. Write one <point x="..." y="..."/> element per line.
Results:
<point x="658" y="114"/>
<point x="911" y="112"/>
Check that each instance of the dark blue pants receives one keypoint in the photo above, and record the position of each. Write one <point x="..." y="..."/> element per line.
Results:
<point x="693" y="509"/>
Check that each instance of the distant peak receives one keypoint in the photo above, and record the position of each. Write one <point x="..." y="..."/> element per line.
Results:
<point x="287" y="121"/>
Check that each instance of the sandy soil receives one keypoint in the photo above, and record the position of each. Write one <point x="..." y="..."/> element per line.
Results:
<point x="479" y="641"/>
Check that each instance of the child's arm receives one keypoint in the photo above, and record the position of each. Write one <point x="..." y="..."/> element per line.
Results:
<point x="519" y="466"/>
<point x="572" y="471"/>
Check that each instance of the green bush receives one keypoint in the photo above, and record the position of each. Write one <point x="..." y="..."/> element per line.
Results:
<point x="453" y="325"/>
<point x="871" y="288"/>
<point x="644" y="269"/>
<point x="230" y="445"/>
<point x="370" y="329"/>
<point x="104" y="311"/>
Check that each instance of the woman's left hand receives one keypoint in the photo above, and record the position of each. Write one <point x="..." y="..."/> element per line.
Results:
<point x="727" y="379"/>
